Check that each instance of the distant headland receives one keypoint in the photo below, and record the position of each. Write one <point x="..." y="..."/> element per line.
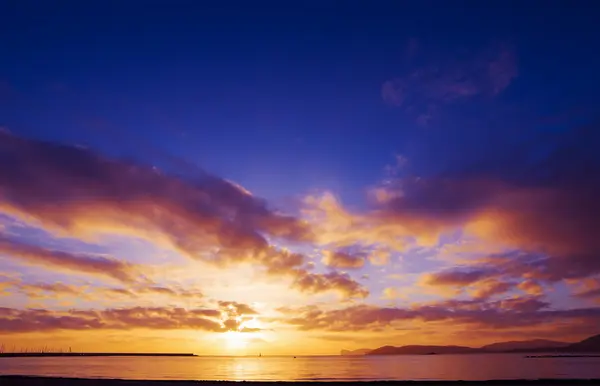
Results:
<point x="589" y="345"/>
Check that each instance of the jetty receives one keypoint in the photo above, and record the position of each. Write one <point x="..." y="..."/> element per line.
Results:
<point x="89" y="354"/>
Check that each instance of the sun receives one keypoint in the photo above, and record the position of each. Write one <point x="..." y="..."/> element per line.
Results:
<point x="236" y="340"/>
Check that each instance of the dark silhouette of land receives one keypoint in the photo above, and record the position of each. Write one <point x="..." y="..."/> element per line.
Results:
<point x="42" y="381"/>
<point x="589" y="345"/>
<point x="89" y="354"/>
<point x="360" y="351"/>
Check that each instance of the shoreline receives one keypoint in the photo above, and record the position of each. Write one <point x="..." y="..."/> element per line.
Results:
<point x="18" y="380"/>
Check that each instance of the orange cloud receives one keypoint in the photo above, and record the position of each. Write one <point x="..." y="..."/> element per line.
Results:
<point x="379" y="257"/>
<point x="285" y="263"/>
<point x="531" y="287"/>
<point x="480" y="283"/>
<point x="332" y="281"/>
<point x="487" y="288"/>
<point x="337" y="227"/>
<point x="517" y="312"/>
<point x="14" y="321"/>
<point x="588" y="289"/>
<point x="391" y="293"/>
<point x="42" y="290"/>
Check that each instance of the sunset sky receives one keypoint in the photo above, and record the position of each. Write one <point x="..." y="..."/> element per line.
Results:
<point x="235" y="178"/>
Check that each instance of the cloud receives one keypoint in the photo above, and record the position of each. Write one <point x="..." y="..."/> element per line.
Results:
<point x="336" y="227"/>
<point x="531" y="287"/>
<point x="481" y="283"/>
<point x="236" y="309"/>
<point x="333" y="281"/>
<point x="204" y="217"/>
<point x="285" y="263"/>
<point x="421" y="90"/>
<point x="588" y="289"/>
<point x="136" y="291"/>
<point x="90" y="292"/>
<point x="16" y="321"/>
<point x="42" y="290"/>
<point x="94" y="265"/>
<point x="379" y="257"/>
<point x="497" y="274"/>
<point x="523" y="304"/>
<point x="342" y="260"/>
<point x="391" y="293"/>
<point x="518" y="312"/>
<point x="543" y="214"/>
<point x="456" y="277"/>
<point x="6" y="282"/>
<point x="235" y="316"/>
<point x="488" y="288"/>
<point x="36" y="320"/>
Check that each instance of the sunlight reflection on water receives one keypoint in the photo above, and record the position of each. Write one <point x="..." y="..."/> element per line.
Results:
<point x="439" y="367"/>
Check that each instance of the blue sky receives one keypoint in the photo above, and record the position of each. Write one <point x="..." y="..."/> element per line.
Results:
<point x="286" y="90"/>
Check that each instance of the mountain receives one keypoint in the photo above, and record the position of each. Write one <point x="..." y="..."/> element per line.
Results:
<point x="423" y="350"/>
<point x="591" y="344"/>
<point x="533" y="344"/>
<point x="360" y="351"/>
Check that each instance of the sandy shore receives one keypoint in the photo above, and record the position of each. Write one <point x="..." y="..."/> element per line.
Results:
<point x="47" y="381"/>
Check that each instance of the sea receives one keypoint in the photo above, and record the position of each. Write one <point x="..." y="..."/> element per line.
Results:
<point x="309" y="368"/>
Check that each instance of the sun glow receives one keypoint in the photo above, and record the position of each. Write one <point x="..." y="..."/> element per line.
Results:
<point x="236" y="340"/>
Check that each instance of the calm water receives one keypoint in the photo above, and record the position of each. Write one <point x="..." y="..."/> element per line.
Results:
<point x="448" y="367"/>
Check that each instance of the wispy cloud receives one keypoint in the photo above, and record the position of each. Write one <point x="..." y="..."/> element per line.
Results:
<point x="94" y="265"/>
<point x="421" y="90"/>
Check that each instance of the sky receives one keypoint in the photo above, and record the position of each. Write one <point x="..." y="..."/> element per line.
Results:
<point x="235" y="178"/>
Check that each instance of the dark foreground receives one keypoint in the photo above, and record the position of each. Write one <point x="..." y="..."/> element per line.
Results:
<point x="8" y="380"/>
